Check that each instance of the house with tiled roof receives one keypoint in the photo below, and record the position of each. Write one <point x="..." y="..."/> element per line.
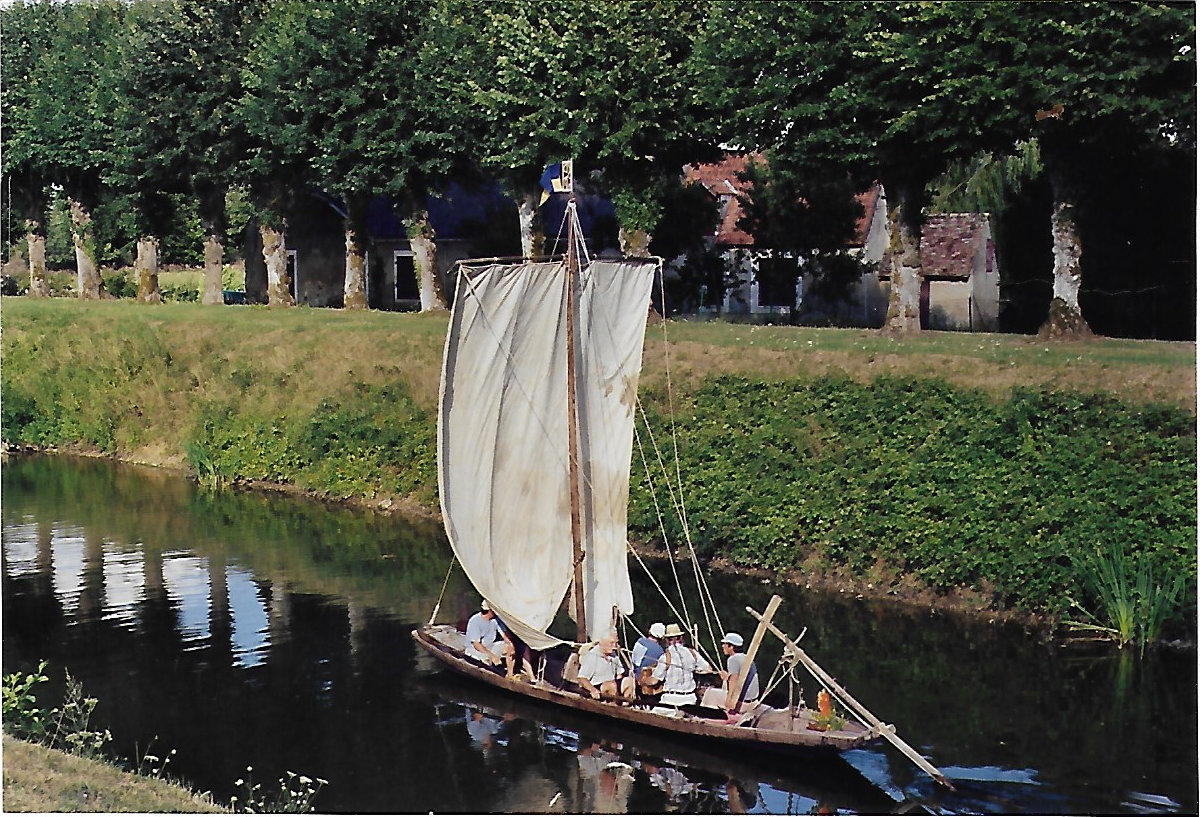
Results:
<point x="748" y="294"/>
<point x="960" y="289"/>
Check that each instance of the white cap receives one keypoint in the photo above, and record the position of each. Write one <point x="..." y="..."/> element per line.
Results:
<point x="483" y="605"/>
<point x="657" y="629"/>
<point x="732" y="638"/>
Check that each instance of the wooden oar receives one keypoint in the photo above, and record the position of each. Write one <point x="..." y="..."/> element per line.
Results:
<point x="883" y="729"/>
<point x="764" y="621"/>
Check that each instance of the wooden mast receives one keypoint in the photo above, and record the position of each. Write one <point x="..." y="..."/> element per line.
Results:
<point x="581" y="628"/>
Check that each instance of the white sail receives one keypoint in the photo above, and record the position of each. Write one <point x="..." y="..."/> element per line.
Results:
<point x="503" y="440"/>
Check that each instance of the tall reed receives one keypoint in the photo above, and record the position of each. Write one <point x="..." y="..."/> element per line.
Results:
<point x="1131" y="602"/>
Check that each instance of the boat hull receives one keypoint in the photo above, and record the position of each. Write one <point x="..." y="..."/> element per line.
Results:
<point x="796" y="741"/>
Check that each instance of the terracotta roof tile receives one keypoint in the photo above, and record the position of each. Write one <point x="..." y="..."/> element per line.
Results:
<point x="949" y="243"/>
<point x="721" y="180"/>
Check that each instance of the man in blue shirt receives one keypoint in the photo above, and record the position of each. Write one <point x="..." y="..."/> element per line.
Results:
<point x="646" y="652"/>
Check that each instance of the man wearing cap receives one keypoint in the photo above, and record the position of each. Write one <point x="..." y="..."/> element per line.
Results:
<point x="485" y="644"/>
<point x="677" y="669"/>
<point x="649" y="648"/>
<point x="738" y="666"/>
<point x="646" y="652"/>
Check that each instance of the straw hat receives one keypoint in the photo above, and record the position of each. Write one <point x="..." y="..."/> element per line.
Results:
<point x="657" y="629"/>
<point x="673" y="631"/>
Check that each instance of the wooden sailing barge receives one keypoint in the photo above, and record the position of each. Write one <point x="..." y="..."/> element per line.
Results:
<point x="535" y="437"/>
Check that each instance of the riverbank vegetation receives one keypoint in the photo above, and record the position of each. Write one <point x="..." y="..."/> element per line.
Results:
<point x="56" y="760"/>
<point x="41" y="780"/>
<point x="942" y="464"/>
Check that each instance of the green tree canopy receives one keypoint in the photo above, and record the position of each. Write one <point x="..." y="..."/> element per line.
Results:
<point x="609" y="85"/>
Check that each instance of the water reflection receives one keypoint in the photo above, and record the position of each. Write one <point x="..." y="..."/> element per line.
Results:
<point x="242" y="629"/>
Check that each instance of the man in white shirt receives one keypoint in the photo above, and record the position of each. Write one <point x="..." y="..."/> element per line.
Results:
<point x="677" y="669"/>
<point x="485" y="644"/>
<point x="601" y="672"/>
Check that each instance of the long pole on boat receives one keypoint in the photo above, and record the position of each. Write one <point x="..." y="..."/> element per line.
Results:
<point x="735" y="695"/>
<point x="888" y="732"/>
<point x="581" y="628"/>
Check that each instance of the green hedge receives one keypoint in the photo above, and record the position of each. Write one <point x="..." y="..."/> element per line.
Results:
<point x="919" y="477"/>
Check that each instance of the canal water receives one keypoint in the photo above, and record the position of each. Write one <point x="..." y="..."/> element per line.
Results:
<point x="243" y="630"/>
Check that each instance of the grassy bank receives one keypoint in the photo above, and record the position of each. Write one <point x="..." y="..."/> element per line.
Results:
<point x="37" y="779"/>
<point x="948" y="461"/>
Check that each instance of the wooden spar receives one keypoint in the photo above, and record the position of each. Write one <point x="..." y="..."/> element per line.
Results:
<point x="581" y="628"/>
<point x="735" y="695"/>
<point x="825" y="678"/>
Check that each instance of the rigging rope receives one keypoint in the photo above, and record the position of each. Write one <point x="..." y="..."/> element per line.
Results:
<point x="706" y="600"/>
<point x="438" y="606"/>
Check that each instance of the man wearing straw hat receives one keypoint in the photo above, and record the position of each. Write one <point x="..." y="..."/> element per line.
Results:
<point x="677" y="669"/>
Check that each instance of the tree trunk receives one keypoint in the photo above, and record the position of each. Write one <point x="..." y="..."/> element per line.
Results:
<point x="214" y="269"/>
<point x="355" y="289"/>
<point x="1065" y="319"/>
<point x="904" y="297"/>
<point x="39" y="287"/>
<point x="634" y="243"/>
<point x="424" y="245"/>
<point x="210" y="200"/>
<point x="533" y="238"/>
<point x="87" y="276"/>
<point x="146" y="268"/>
<point x="275" y="256"/>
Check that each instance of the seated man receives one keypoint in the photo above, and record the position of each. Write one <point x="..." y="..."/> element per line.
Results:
<point x="485" y="644"/>
<point x="723" y="698"/>
<point x="646" y="652"/>
<point x="601" y="672"/>
<point x="677" y="669"/>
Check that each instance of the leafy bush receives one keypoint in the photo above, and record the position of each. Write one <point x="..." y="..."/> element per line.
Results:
<point x="22" y="716"/>
<point x="917" y="477"/>
<point x="373" y="439"/>
<point x="120" y="284"/>
<point x="66" y="727"/>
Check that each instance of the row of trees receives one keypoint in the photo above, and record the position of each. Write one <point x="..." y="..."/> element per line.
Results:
<point x="143" y="102"/>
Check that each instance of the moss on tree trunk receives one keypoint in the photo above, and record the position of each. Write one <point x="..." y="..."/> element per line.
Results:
<point x="39" y="287"/>
<point x="214" y="254"/>
<point x="904" y="296"/>
<point x="424" y="245"/>
<point x="88" y="282"/>
<point x="355" y="289"/>
<point x="533" y="238"/>
<point x="275" y="256"/>
<point x="634" y="243"/>
<point x="146" y="267"/>
<point x="1065" y="318"/>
